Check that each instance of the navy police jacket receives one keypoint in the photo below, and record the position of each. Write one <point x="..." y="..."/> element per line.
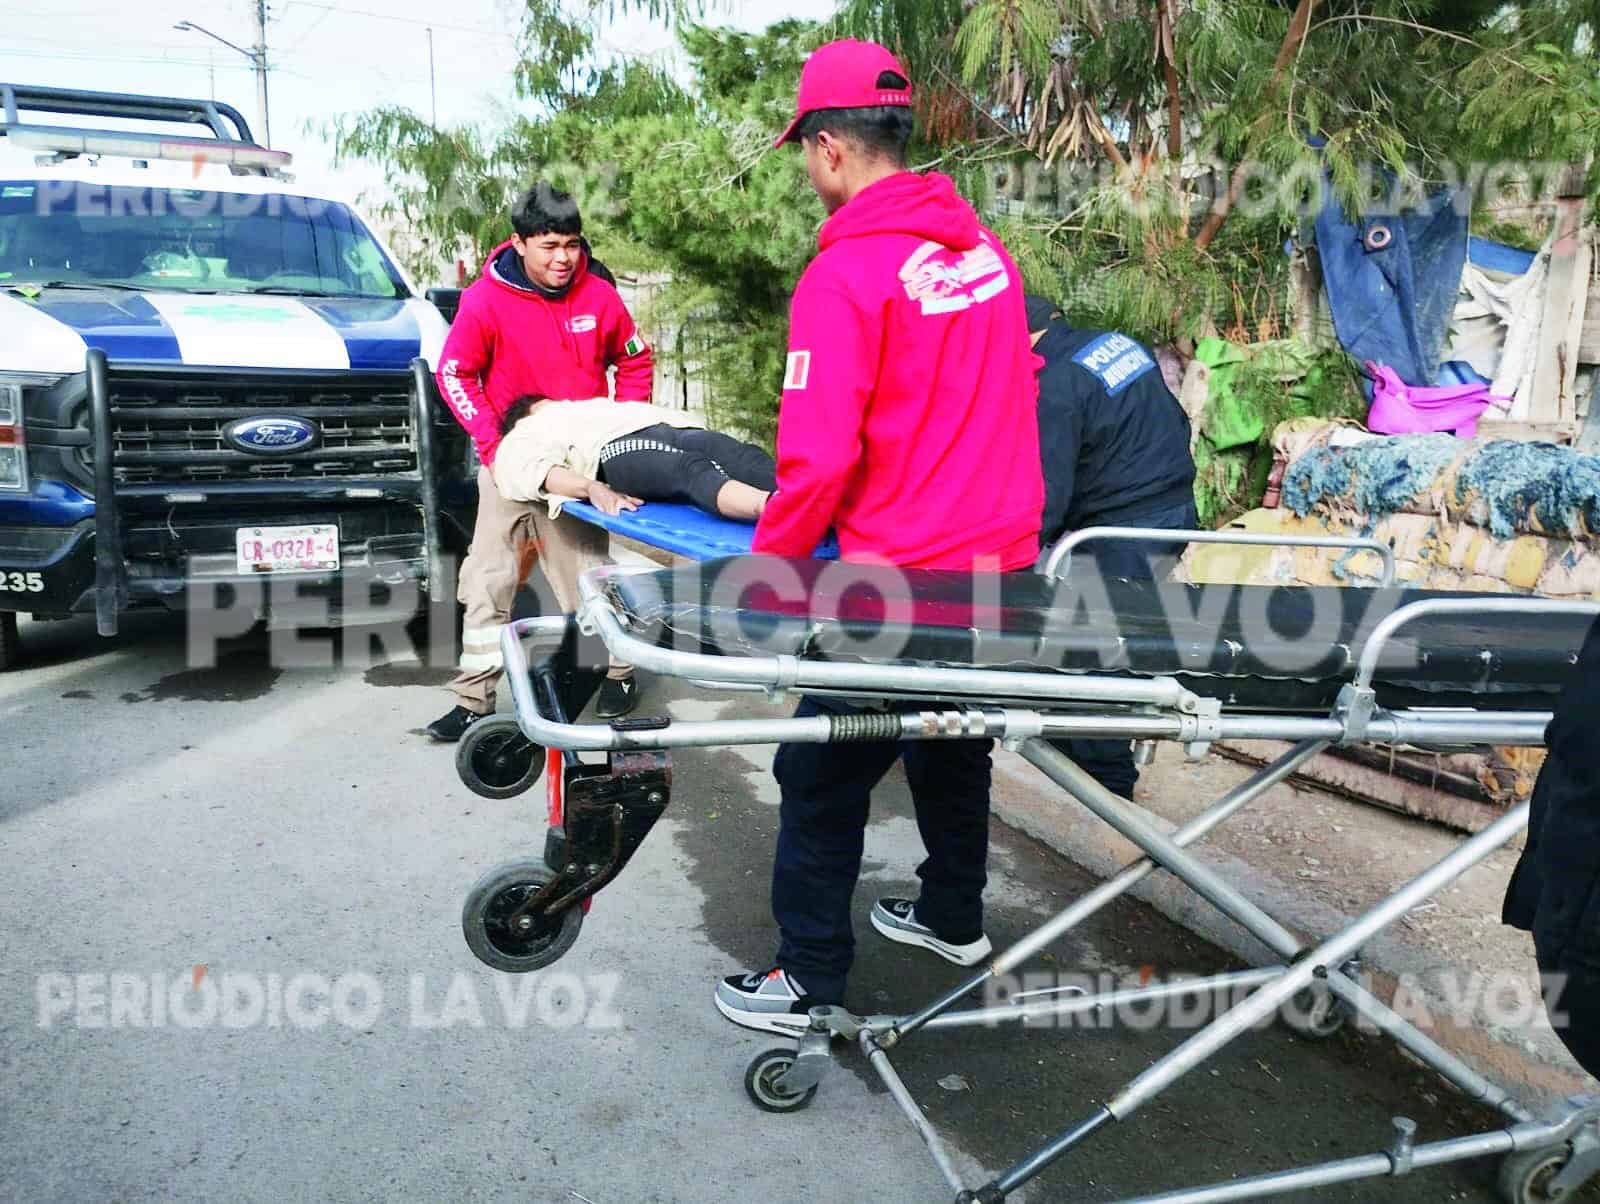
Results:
<point x="1113" y="439"/>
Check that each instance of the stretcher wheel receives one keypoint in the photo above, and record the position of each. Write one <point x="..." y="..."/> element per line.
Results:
<point x="523" y="943"/>
<point x="1525" y="1177"/>
<point x="495" y="760"/>
<point x="760" y="1081"/>
<point x="1317" y="1014"/>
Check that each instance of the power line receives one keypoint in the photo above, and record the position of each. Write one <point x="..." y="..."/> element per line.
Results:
<point x="359" y="12"/>
<point x="315" y="25"/>
<point x="110" y="58"/>
<point x="56" y="57"/>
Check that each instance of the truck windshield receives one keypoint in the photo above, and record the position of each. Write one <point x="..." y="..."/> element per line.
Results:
<point x="182" y="240"/>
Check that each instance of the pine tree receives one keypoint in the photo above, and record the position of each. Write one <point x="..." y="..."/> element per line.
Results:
<point x="1144" y="160"/>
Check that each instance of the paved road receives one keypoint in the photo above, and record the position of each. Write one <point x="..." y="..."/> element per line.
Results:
<point x="224" y="838"/>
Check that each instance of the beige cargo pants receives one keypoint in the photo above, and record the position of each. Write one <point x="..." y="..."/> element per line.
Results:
<point x="507" y="540"/>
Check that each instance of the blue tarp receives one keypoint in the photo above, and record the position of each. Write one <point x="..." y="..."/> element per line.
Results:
<point x="1498" y="257"/>
<point x="1392" y="282"/>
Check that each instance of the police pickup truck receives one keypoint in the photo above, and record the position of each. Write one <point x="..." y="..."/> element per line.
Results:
<point x="213" y="384"/>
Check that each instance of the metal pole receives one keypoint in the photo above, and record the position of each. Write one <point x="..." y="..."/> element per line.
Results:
<point x="1329" y="954"/>
<point x="1130" y="876"/>
<point x="259" y="54"/>
<point x="908" y="1104"/>
<point x="433" y="93"/>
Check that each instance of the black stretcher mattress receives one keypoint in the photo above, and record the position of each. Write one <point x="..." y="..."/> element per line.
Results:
<point x="1278" y="648"/>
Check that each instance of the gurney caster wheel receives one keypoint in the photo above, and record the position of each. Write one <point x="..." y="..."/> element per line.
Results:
<point x="1317" y="1014"/>
<point x="761" y="1082"/>
<point x="501" y="938"/>
<point x="496" y="760"/>
<point x="1525" y="1177"/>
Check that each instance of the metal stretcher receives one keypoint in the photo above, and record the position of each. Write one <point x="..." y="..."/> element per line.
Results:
<point x="1024" y="658"/>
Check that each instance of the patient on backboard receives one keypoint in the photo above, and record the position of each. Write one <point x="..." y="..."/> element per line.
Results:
<point x="617" y="455"/>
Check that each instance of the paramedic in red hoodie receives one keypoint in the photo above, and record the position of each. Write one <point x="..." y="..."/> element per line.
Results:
<point x="908" y="425"/>
<point x="537" y="321"/>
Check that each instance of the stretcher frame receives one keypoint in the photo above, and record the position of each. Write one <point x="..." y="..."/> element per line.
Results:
<point x="959" y="704"/>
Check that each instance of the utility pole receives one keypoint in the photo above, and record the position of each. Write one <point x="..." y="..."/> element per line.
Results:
<point x="260" y="57"/>
<point x="257" y="55"/>
<point x="433" y="92"/>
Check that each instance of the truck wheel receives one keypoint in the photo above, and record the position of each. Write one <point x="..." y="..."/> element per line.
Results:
<point x="10" y="641"/>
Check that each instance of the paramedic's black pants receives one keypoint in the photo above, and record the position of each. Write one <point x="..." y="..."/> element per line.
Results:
<point x="825" y="790"/>
<point x="672" y="464"/>
<point x="1110" y="762"/>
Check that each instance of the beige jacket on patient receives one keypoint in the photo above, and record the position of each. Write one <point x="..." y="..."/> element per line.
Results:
<point x="569" y="434"/>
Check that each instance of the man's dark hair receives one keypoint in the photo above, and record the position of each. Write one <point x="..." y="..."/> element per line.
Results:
<point x="882" y="131"/>
<point x="520" y="408"/>
<point x="546" y="210"/>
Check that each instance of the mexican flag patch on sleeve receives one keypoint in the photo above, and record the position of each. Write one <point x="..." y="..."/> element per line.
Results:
<point x="633" y="346"/>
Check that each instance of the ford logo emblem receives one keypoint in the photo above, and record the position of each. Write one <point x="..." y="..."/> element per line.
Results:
<point x="271" y="434"/>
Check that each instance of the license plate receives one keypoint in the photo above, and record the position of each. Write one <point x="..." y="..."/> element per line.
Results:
<point x="307" y="549"/>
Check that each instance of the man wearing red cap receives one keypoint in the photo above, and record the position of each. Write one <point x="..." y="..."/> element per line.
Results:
<point x="908" y="425"/>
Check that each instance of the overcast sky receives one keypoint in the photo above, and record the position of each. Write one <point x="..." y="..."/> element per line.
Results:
<point x="328" y="56"/>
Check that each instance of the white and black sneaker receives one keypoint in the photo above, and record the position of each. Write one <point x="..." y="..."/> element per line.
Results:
<point x="897" y="920"/>
<point x="768" y="1000"/>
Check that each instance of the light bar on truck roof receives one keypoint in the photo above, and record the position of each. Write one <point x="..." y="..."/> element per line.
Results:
<point x="231" y="145"/>
<point x="57" y="140"/>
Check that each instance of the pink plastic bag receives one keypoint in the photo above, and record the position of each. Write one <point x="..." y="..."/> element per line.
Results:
<point x="1402" y="409"/>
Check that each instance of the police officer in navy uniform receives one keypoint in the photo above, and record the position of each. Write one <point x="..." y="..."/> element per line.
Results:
<point x="1115" y="448"/>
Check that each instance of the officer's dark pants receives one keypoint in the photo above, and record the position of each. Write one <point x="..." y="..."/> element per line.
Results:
<point x="825" y="792"/>
<point x="1110" y="762"/>
<point x="1555" y="890"/>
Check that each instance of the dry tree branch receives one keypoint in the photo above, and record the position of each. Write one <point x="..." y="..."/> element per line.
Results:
<point x="1299" y="30"/>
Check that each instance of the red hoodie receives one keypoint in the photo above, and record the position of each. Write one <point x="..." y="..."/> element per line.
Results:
<point x="908" y="421"/>
<point x="509" y="341"/>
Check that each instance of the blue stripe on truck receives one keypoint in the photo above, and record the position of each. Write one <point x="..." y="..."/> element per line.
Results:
<point x="124" y="326"/>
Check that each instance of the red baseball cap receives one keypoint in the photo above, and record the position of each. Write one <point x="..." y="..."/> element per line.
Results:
<point x="844" y="75"/>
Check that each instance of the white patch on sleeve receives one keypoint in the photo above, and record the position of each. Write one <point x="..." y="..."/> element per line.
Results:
<point x="798" y="370"/>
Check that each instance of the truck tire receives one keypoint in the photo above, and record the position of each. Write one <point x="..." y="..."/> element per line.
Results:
<point x="10" y="640"/>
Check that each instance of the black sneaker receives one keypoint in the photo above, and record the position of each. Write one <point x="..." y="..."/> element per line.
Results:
<point x="618" y="696"/>
<point x="768" y="1000"/>
<point x="897" y="920"/>
<point x="452" y="725"/>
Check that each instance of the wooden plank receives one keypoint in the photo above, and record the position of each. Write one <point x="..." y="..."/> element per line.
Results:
<point x="1589" y="341"/>
<point x="1529" y="432"/>
<point x="1582" y="267"/>
<point x="1556" y="360"/>
<point x="1451" y="802"/>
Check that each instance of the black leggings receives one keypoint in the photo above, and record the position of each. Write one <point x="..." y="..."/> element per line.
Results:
<point x="671" y="463"/>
